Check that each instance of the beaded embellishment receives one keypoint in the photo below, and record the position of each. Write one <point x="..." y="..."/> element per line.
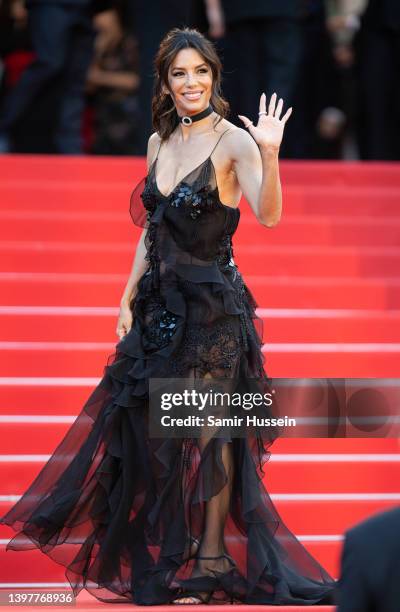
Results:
<point x="196" y="200"/>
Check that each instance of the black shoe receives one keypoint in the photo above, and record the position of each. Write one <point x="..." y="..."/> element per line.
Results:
<point x="197" y="596"/>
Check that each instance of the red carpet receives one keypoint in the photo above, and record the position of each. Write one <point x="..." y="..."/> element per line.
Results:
<point x="327" y="283"/>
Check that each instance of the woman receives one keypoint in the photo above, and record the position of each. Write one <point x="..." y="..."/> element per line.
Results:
<point x="164" y="519"/>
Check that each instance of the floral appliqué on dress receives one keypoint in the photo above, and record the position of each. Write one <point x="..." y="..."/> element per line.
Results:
<point x="196" y="200"/>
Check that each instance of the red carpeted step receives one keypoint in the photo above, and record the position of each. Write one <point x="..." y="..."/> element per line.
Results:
<point x="105" y="168"/>
<point x="62" y="225"/>
<point x="283" y="360"/>
<point x="72" y="196"/>
<point x="31" y="566"/>
<point x="302" y="517"/>
<point x="97" y="324"/>
<point x="315" y="199"/>
<point x="337" y="326"/>
<point x="280" y="477"/>
<point x="44" y="396"/>
<point x="324" y="517"/>
<point x="336" y="364"/>
<point x="328" y="517"/>
<point x="334" y="249"/>
<point x="56" y="396"/>
<point x="43" y="288"/>
<point x="349" y="174"/>
<point x="97" y="227"/>
<point x="318" y="261"/>
<point x="116" y="258"/>
<point x="84" y="194"/>
<point x="314" y="230"/>
<point x="40" y="433"/>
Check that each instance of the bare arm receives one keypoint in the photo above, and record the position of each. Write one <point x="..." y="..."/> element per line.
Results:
<point x="257" y="171"/>
<point x="139" y="265"/>
<point x="216" y="18"/>
<point x="256" y="161"/>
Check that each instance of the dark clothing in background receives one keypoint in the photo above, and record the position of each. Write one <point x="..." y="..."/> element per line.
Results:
<point x="378" y="67"/>
<point x="62" y="39"/>
<point x="383" y="13"/>
<point x="240" y="10"/>
<point x="262" y="53"/>
<point x="94" y="6"/>
<point x="315" y="76"/>
<point x="370" y="572"/>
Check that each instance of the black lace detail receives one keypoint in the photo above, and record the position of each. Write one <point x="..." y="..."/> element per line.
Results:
<point x="215" y="350"/>
<point x="149" y="198"/>
<point x="188" y="447"/>
<point x="152" y="255"/>
<point x="161" y="323"/>
<point x="225" y="255"/>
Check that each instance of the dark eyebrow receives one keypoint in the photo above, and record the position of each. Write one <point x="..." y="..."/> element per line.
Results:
<point x="199" y="66"/>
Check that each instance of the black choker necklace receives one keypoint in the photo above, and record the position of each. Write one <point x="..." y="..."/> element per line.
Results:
<point x="188" y="120"/>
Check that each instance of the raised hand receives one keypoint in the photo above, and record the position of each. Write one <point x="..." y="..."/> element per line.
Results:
<point x="269" y="130"/>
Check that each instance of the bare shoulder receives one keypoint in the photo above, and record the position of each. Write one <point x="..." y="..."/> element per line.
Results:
<point x="239" y="143"/>
<point x="152" y="146"/>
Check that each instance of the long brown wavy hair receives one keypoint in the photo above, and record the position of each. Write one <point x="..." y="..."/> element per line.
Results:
<point x="165" y="117"/>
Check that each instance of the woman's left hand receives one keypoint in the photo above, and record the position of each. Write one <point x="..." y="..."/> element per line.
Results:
<point x="268" y="132"/>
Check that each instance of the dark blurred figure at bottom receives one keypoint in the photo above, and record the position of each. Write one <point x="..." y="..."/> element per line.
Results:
<point x="370" y="574"/>
<point x="62" y="38"/>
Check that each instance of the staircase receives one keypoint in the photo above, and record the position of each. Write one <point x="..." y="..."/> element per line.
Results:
<point x="327" y="284"/>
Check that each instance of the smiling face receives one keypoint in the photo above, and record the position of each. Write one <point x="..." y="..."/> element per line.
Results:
<point x="190" y="82"/>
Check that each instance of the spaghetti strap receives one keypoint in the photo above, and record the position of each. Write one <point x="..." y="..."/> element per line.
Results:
<point x="158" y="150"/>
<point x="216" y="144"/>
<point x="213" y="149"/>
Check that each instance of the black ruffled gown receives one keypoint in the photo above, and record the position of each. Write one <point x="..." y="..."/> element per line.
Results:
<point x="125" y="512"/>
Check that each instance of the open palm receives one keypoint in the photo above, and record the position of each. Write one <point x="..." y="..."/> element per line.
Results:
<point x="269" y="130"/>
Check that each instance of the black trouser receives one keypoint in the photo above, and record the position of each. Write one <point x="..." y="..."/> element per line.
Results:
<point x="262" y="55"/>
<point x="62" y="39"/>
<point x="378" y="69"/>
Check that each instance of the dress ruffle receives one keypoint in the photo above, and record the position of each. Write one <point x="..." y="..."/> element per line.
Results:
<point x="118" y="508"/>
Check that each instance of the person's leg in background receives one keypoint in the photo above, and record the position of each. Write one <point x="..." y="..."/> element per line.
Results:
<point x="282" y="49"/>
<point x="281" y="59"/>
<point x="68" y="134"/>
<point x="242" y="68"/>
<point x="49" y="26"/>
<point x="306" y="97"/>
